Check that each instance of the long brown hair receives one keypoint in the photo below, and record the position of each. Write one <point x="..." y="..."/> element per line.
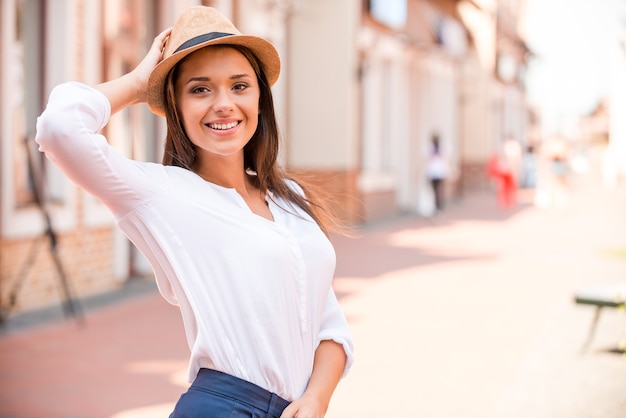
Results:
<point x="260" y="153"/>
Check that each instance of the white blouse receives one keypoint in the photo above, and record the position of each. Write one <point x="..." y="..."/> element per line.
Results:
<point x="255" y="295"/>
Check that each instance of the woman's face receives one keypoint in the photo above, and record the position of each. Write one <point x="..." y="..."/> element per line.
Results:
<point x="217" y="95"/>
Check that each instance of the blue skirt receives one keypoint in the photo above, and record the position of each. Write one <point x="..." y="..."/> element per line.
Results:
<point x="215" y="394"/>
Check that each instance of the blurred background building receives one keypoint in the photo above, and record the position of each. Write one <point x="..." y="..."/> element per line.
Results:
<point x="364" y="87"/>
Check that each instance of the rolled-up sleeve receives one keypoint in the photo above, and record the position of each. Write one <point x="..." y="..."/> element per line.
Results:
<point x="335" y="327"/>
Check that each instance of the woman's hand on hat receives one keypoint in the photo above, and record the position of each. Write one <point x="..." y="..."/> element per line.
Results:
<point x="142" y="72"/>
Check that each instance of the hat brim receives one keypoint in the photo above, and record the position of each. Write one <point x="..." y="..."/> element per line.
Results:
<point x="262" y="49"/>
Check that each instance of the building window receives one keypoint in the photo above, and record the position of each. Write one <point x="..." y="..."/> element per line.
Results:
<point x="388" y="12"/>
<point x="129" y="28"/>
<point x="386" y="99"/>
<point x="25" y="76"/>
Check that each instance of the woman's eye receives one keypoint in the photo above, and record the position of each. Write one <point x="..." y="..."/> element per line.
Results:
<point x="199" y="89"/>
<point x="240" y="86"/>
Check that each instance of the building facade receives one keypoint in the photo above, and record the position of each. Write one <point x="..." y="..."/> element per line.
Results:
<point x="364" y="86"/>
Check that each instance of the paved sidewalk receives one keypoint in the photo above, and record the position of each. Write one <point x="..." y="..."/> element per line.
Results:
<point x="470" y="314"/>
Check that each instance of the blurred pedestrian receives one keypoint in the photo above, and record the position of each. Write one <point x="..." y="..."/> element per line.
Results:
<point x="240" y="247"/>
<point x="554" y="190"/>
<point x="499" y="170"/>
<point x="559" y="168"/>
<point x="512" y="152"/>
<point x="529" y="168"/>
<point x="437" y="171"/>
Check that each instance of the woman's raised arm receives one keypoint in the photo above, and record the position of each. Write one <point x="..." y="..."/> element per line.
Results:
<point x="130" y="88"/>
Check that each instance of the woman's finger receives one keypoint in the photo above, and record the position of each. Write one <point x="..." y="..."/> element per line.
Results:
<point x="161" y="39"/>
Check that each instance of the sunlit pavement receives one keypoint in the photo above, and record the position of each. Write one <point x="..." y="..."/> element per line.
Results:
<point x="472" y="315"/>
<point x="469" y="314"/>
<point x="127" y="360"/>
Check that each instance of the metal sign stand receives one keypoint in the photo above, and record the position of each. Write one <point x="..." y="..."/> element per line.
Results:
<point x="70" y="305"/>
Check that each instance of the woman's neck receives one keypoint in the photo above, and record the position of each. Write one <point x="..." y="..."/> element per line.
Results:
<point x="225" y="172"/>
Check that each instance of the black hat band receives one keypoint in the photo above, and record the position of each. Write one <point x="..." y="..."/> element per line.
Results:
<point x="197" y="40"/>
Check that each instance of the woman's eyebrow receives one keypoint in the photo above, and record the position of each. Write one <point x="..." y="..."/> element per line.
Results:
<point x="206" y="79"/>
<point x="238" y="76"/>
<point x="192" y="79"/>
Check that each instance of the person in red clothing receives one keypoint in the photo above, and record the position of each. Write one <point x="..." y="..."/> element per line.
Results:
<point x="499" y="169"/>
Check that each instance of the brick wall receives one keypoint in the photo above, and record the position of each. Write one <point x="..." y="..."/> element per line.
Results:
<point x="474" y="177"/>
<point x="379" y="205"/>
<point x="86" y="257"/>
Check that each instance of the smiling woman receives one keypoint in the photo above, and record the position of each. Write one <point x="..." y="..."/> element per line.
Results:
<point x="237" y="245"/>
<point x="218" y="97"/>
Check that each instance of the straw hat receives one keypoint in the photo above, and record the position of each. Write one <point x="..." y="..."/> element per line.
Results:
<point x="196" y="28"/>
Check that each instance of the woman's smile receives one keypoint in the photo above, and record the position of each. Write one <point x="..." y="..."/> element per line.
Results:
<point x="222" y="126"/>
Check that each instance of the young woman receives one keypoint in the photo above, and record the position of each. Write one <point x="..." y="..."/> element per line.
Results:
<point x="235" y="243"/>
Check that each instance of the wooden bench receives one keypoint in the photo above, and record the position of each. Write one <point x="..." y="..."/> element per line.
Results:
<point x="602" y="296"/>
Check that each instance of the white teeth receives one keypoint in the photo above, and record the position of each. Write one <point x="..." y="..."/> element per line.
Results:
<point x="222" y="126"/>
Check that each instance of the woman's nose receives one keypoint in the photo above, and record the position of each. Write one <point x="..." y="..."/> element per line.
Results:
<point x="223" y="102"/>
